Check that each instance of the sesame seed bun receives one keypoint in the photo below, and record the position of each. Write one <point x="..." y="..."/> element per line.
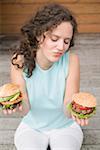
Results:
<point x="84" y="99"/>
<point x="8" y="89"/>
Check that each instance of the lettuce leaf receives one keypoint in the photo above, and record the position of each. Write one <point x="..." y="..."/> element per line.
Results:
<point x="3" y="99"/>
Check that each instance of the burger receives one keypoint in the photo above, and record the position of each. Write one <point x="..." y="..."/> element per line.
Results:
<point x="10" y="96"/>
<point x="83" y="105"/>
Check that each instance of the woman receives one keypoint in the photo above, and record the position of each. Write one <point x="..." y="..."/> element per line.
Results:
<point x="48" y="75"/>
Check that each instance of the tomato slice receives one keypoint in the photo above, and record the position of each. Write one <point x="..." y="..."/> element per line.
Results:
<point x="81" y="107"/>
<point x="84" y="108"/>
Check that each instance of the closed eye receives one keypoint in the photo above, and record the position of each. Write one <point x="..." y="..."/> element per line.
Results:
<point x="66" y="42"/>
<point x="54" y="40"/>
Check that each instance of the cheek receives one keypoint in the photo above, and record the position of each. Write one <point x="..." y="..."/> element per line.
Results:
<point x="49" y="44"/>
<point x="45" y="47"/>
<point x="45" y="44"/>
<point x="66" y="47"/>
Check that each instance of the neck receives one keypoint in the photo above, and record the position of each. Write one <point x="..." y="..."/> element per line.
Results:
<point x="42" y="61"/>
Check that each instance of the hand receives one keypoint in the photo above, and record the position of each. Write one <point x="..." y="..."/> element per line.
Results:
<point x="82" y="122"/>
<point x="10" y="111"/>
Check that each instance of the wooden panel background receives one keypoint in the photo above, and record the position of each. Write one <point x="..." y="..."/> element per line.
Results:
<point x="14" y="13"/>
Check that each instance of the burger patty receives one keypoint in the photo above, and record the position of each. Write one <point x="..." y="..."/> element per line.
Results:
<point x="78" y="110"/>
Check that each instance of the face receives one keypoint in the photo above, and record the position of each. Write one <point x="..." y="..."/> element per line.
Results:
<point x="56" y="43"/>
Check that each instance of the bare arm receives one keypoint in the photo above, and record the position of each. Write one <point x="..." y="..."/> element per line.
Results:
<point x="17" y="78"/>
<point x="73" y="80"/>
<point x="73" y="85"/>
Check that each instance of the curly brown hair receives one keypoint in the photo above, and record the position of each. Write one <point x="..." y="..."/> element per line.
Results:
<point x="46" y="19"/>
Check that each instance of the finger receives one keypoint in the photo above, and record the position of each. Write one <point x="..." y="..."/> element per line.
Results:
<point x="78" y="121"/>
<point x="9" y="111"/>
<point x="73" y="117"/>
<point x="86" y="121"/>
<point x="20" y="107"/>
<point x="82" y="122"/>
<point x="5" y="111"/>
<point x="14" y="110"/>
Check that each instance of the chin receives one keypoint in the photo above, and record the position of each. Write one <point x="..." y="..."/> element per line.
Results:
<point x="55" y="59"/>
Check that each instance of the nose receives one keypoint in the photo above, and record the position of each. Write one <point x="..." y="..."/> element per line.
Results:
<point x="60" y="45"/>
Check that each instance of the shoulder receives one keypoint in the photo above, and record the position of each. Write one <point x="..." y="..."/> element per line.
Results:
<point x="16" y="76"/>
<point x="15" y="69"/>
<point x="17" y="59"/>
<point x="74" y="63"/>
<point x="15" y="62"/>
<point x="74" y="58"/>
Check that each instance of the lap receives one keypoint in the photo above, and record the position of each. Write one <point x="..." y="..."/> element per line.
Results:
<point x="29" y="139"/>
<point x="70" y="138"/>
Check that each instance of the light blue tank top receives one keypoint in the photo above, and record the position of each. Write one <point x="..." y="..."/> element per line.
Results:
<point x="46" y="95"/>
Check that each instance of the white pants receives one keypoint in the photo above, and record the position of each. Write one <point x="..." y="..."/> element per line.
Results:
<point x="69" y="138"/>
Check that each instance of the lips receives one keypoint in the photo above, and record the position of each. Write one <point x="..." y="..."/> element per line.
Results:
<point x="58" y="54"/>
